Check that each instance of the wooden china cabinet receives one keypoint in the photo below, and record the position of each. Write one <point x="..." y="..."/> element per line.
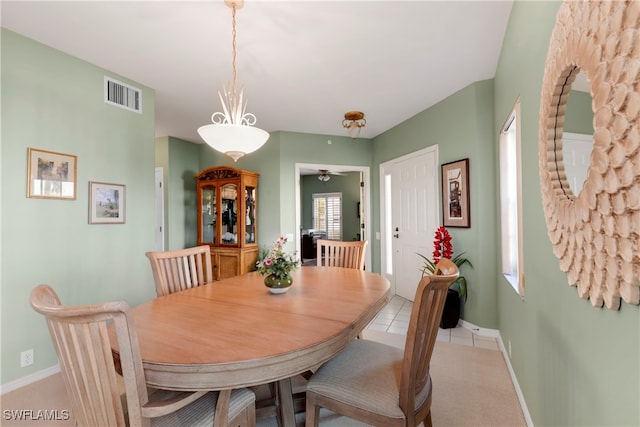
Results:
<point x="227" y="214"/>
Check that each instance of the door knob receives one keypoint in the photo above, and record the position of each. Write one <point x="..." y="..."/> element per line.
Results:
<point x="396" y="235"/>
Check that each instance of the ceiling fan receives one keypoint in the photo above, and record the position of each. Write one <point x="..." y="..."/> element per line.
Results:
<point x="324" y="174"/>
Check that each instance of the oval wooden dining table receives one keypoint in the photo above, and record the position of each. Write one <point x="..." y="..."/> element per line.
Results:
<point x="234" y="333"/>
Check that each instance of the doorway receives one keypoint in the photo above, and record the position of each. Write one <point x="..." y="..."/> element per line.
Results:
<point x="363" y="208"/>
<point x="409" y="216"/>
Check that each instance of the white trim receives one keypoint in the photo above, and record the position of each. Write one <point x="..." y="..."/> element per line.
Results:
<point x="495" y="333"/>
<point x="385" y="237"/>
<point x="485" y="332"/>
<point x="516" y="385"/>
<point x="29" y="379"/>
<point x="366" y="217"/>
<point x="505" y="142"/>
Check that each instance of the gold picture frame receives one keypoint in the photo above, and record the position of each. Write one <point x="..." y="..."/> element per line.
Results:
<point x="51" y="175"/>
<point x="107" y="203"/>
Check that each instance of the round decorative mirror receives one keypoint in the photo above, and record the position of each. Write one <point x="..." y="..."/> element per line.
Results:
<point x="577" y="134"/>
<point x="596" y="233"/>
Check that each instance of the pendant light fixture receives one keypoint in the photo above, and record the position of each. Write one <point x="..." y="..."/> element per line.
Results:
<point x="232" y="131"/>
<point x="354" y="121"/>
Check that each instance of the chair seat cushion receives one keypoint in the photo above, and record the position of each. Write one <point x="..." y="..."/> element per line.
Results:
<point x="365" y="375"/>
<point x="201" y="412"/>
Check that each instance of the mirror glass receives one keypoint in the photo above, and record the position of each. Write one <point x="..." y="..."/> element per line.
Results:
<point x="577" y="136"/>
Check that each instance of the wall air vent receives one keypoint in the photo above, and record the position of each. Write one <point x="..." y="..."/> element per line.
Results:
<point x="122" y="95"/>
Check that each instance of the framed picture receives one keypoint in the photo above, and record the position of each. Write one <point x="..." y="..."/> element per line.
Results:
<point x="107" y="203"/>
<point x="455" y="194"/>
<point x="51" y="175"/>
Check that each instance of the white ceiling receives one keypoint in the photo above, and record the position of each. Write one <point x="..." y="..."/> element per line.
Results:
<point x="303" y="64"/>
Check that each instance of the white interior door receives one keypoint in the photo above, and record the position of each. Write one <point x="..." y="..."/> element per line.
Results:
<point x="410" y="217"/>
<point x="576" y="153"/>
<point x="159" y="210"/>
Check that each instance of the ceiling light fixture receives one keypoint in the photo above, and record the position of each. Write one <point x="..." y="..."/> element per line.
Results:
<point x="324" y="175"/>
<point x="354" y="121"/>
<point x="232" y="131"/>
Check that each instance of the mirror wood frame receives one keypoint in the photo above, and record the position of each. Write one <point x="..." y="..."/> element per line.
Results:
<point x="596" y="234"/>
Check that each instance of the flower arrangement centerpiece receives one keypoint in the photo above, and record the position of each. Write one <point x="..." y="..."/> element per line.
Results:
<point x="443" y="248"/>
<point x="276" y="265"/>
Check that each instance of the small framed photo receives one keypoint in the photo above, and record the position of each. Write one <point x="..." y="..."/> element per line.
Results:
<point x="51" y="175"/>
<point x="107" y="203"/>
<point x="455" y="194"/>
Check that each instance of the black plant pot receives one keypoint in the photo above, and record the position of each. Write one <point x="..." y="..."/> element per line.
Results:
<point x="451" y="312"/>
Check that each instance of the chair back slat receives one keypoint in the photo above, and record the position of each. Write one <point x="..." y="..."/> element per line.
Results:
<point x="81" y="340"/>
<point x="422" y="332"/>
<point x="335" y="253"/>
<point x="175" y="271"/>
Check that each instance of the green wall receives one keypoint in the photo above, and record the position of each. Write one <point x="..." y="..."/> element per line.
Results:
<point x="347" y="184"/>
<point x="577" y="365"/>
<point x="55" y="102"/>
<point x="275" y="162"/>
<point x="180" y="161"/>
<point x="462" y="127"/>
<point x="265" y="162"/>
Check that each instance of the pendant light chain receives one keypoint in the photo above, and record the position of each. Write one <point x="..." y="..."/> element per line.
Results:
<point x="233" y="55"/>
<point x="232" y="130"/>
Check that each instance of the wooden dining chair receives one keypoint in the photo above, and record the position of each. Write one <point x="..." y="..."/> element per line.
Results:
<point x="175" y="271"/>
<point x="335" y="253"/>
<point x="81" y="340"/>
<point x="383" y="385"/>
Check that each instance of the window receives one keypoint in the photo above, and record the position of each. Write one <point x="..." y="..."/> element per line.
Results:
<point x="327" y="214"/>
<point x="511" y="201"/>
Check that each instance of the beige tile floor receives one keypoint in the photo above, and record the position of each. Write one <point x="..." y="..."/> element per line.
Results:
<point x="394" y="318"/>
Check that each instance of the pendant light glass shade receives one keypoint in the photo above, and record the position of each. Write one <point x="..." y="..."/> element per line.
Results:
<point x="233" y="140"/>
<point x="353" y="122"/>
<point x="353" y="130"/>
<point x="232" y="131"/>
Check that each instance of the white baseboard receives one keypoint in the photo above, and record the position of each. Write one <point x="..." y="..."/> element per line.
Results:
<point x="29" y="379"/>
<point x="494" y="333"/>
<point x="485" y="332"/>
<point x="523" y="403"/>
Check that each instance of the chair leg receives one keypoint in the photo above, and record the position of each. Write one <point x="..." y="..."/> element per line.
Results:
<point x="313" y="411"/>
<point x="427" y="421"/>
<point x="222" y="409"/>
<point x="251" y="416"/>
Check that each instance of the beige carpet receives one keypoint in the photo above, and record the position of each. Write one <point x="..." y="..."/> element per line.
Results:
<point x="472" y="387"/>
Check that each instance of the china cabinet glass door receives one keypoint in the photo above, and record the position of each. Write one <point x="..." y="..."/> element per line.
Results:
<point x="229" y="214"/>
<point x="208" y="215"/>
<point x="250" y="222"/>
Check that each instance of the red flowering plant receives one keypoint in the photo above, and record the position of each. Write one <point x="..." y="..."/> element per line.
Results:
<point x="443" y="248"/>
